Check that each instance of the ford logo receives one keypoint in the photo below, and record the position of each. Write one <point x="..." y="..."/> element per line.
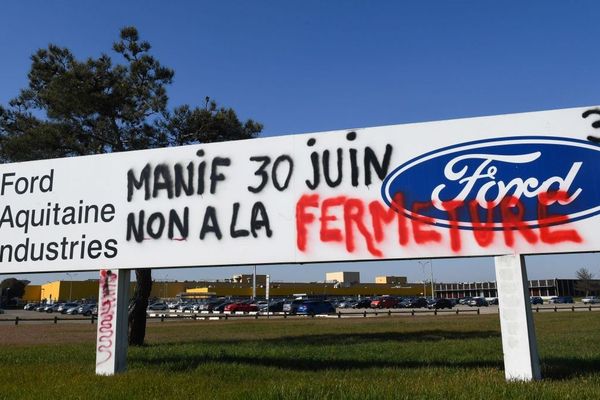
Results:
<point x="477" y="176"/>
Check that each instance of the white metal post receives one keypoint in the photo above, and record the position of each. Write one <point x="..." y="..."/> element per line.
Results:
<point x="111" y="342"/>
<point x="268" y="293"/>
<point x="521" y="360"/>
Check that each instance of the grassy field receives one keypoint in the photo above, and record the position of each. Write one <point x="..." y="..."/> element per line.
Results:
<point x="385" y="358"/>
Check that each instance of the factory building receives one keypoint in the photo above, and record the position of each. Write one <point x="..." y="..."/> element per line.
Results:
<point x="537" y="287"/>
<point x="336" y="284"/>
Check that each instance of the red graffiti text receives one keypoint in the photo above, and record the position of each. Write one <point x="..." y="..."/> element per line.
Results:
<point x="347" y="220"/>
<point x="106" y="331"/>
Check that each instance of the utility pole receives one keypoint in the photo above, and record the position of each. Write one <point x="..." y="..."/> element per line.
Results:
<point x="254" y="284"/>
<point x="70" y="285"/>
<point x="432" y="289"/>
<point x="423" y="264"/>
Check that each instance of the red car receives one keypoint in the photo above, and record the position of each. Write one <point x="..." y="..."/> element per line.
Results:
<point x="384" y="302"/>
<point x="245" y="307"/>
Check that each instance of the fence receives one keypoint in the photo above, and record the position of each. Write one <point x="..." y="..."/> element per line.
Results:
<point x="163" y="316"/>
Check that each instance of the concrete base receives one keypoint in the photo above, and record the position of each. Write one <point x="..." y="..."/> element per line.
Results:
<point x="111" y="342"/>
<point x="521" y="360"/>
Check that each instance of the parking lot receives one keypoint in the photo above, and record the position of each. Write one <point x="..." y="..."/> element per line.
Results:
<point x="20" y="316"/>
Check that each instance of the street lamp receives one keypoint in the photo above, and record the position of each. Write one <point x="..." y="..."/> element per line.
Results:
<point x="165" y="287"/>
<point x="70" y="274"/>
<point x="423" y="264"/>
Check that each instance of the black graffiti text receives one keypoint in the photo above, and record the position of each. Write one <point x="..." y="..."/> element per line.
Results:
<point x="331" y="165"/>
<point x="177" y="180"/>
<point x="280" y="171"/>
<point x="175" y="225"/>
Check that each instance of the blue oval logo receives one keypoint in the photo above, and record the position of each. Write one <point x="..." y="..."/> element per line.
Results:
<point x="475" y="177"/>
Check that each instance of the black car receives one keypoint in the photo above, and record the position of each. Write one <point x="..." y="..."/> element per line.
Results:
<point x="364" y="303"/>
<point x="440" y="303"/>
<point x="536" y="300"/>
<point x="419" y="302"/>
<point x="274" y="306"/>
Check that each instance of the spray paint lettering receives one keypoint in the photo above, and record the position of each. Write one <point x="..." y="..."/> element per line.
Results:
<point x="369" y="222"/>
<point x="106" y="321"/>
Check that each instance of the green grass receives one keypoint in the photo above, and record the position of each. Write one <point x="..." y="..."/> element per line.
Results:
<point x="385" y="358"/>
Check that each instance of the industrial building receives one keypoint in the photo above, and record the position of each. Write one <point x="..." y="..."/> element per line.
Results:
<point x="336" y="284"/>
<point x="537" y="287"/>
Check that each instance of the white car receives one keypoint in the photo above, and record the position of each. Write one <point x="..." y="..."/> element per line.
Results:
<point x="591" y="300"/>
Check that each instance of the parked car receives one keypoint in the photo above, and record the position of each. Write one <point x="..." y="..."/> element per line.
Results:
<point x="72" y="310"/>
<point x="209" y="305"/>
<point x="536" y="300"/>
<point x="419" y="302"/>
<point x="159" y="306"/>
<point x="50" y="308"/>
<point x="219" y="308"/>
<point x="464" y="300"/>
<point x="493" y="301"/>
<point x="291" y="307"/>
<point x="261" y="304"/>
<point x="384" y="302"/>
<point x="591" y="300"/>
<point x="364" y="303"/>
<point x="1" y="311"/>
<point x="86" y="309"/>
<point x="65" y="306"/>
<point x="31" y="306"/>
<point x="314" y="307"/>
<point x="477" y="302"/>
<point x="273" y="306"/>
<point x="405" y="303"/>
<point x="187" y="306"/>
<point x="440" y="303"/>
<point x="561" y="300"/>
<point x="335" y="302"/>
<point x="241" y="306"/>
<point x="347" y="303"/>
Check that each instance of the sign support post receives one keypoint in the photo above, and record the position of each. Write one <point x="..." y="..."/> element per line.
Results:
<point x="111" y="341"/>
<point x="521" y="360"/>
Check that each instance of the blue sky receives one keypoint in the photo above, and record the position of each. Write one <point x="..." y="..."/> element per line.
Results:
<point x="315" y="66"/>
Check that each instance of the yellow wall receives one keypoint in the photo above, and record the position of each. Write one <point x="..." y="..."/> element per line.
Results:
<point x="32" y="293"/>
<point x="77" y="290"/>
<point x="50" y="291"/>
<point x="169" y="290"/>
<point x="314" y="289"/>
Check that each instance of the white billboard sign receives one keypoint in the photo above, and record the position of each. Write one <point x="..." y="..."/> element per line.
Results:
<point x="523" y="183"/>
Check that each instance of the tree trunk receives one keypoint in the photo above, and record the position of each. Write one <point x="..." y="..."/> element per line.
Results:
<point x="138" y="306"/>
